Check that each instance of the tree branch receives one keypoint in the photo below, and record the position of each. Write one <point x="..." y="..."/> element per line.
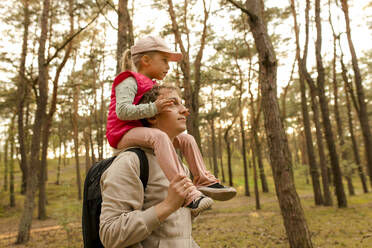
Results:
<point x="73" y="36"/>
<point x="241" y="7"/>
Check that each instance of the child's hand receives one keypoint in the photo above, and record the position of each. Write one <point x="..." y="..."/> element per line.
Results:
<point x="162" y="104"/>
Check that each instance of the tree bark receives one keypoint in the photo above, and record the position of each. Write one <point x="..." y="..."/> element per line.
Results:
<point x="125" y="32"/>
<point x="336" y="170"/>
<point x="362" y="113"/>
<point x="34" y="165"/>
<point x="290" y="205"/>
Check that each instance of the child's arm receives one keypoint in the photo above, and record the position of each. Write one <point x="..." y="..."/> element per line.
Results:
<point x="125" y="109"/>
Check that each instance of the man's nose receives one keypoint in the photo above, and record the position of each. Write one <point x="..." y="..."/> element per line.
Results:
<point x="185" y="111"/>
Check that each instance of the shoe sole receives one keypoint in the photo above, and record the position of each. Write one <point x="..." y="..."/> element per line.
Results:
<point x="218" y="194"/>
<point x="204" y="204"/>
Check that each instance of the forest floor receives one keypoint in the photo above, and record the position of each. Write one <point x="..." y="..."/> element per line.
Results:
<point x="234" y="223"/>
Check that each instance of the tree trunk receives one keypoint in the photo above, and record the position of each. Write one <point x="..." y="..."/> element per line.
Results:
<point x="244" y="154"/>
<point x="336" y="170"/>
<point x="228" y="150"/>
<point x="255" y="122"/>
<point x="220" y="150"/>
<point x="290" y="205"/>
<point x="313" y="167"/>
<point x="34" y="166"/>
<point x="21" y="93"/>
<point x="59" y="160"/>
<point x="125" y="32"/>
<point x="214" y="149"/>
<point x="87" y="157"/>
<point x="352" y="136"/>
<point x="12" y="202"/>
<point x="191" y="91"/>
<point x="255" y="179"/>
<point x="75" y="117"/>
<point x="6" y="166"/>
<point x="362" y="113"/>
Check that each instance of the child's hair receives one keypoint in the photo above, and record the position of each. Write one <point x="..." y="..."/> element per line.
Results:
<point x="131" y="62"/>
<point x="152" y="95"/>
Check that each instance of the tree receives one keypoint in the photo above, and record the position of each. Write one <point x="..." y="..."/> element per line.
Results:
<point x="22" y="92"/>
<point x="336" y="170"/>
<point x="125" y="32"/>
<point x="293" y="216"/>
<point x="362" y="110"/>
<point x="191" y="87"/>
<point x="34" y="166"/>
<point x="306" y="120"/>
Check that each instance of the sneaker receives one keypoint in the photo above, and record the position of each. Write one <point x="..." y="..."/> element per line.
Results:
<point x="218" y="192"/>
<point x="200" y="204"/>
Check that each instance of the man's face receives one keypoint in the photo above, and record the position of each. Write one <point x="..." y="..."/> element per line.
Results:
<point x="172" y="122"/>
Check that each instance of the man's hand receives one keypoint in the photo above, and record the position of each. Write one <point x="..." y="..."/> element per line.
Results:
<point x="178" y="189"/>
<point x="162" y="104"/>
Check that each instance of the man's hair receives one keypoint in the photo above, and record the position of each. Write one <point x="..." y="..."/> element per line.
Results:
<point x="152" y="95"/>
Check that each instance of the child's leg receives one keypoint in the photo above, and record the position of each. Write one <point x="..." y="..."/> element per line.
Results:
<point x="207" y="183"/>
<point x="165" y="153"/>
<point x="189" y="148"/>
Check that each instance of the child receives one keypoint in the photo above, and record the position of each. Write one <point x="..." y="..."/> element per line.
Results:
<point x="150" y="57"/>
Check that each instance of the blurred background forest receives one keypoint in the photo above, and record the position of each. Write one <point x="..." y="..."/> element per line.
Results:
<point x="280" y="97"/>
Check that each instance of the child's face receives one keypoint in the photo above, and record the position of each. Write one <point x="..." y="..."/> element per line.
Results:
<point x="157" y="66"/>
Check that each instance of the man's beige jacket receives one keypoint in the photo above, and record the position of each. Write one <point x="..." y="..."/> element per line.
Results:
<point x="128" y="217"/>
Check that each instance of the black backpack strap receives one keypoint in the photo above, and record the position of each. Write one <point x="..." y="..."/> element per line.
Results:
<point x="144" y="165"/>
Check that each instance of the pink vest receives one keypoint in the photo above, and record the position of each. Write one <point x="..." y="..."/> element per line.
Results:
<point x="116" y="128"/>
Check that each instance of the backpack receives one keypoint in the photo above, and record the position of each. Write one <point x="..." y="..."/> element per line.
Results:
<point x="92" y="198"/>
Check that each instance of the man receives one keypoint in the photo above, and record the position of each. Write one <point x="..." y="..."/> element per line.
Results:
<point x="131" y="217"/>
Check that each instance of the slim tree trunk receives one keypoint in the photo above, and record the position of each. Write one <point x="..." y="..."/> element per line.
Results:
<point x="352" y="135"/>
<point x="244" y="149"/>
<point x="6" y="166"/>
<point x="75" y="116"/>
<point x="313" y="167"/>
<point x="22" y="92"/>
<point x="191" y="90"/>
<point x="42" y="215"/>
<point x="12" y="202"/>
<point x="255" y="179"/>
<point x="336" y="170"/>
<point x="290" y="205"/>
<point x="362" y="113"/>
<point x="125" y="32"/>
<point x="87" y="157"/>
<point x="228" y="149"/>
<point x="220" y="150"/>
<point x="34" y="166"/>
<point x="59" y="160"/>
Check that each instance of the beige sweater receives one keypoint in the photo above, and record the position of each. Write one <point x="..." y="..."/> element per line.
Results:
<point x="128" y="217"/>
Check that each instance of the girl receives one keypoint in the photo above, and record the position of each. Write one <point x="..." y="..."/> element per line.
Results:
<point x="150" y="57"/>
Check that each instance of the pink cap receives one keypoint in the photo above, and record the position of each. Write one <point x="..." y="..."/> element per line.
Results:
<point x="154" y="43"/>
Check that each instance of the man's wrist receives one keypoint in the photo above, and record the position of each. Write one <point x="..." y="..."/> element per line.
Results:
<point x="163" y="210"/>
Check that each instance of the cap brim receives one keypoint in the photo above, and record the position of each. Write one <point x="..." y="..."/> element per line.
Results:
<point x="175" y="57"/>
